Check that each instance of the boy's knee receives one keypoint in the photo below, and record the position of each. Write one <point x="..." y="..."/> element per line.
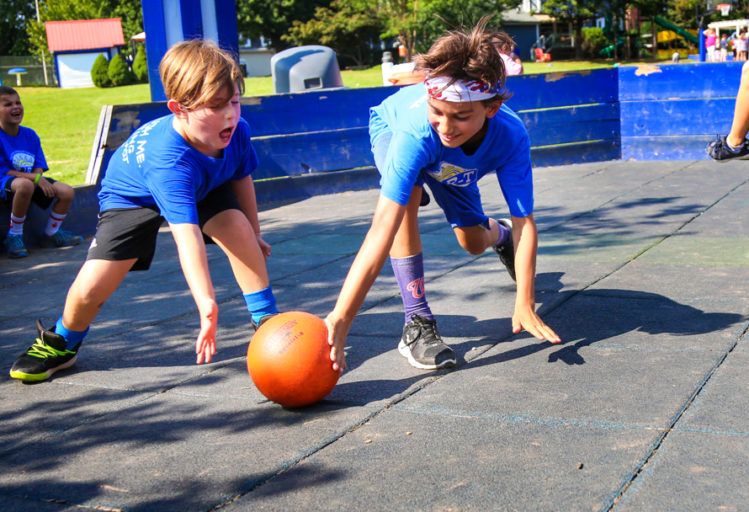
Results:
<point x="472" y="247"/>
<point x="64" y="192"/>
<point x="227" y="225"/>
<point x="22" y="188"/>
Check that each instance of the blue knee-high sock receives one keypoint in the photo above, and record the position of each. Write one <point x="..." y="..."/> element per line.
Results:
<point x="72" y="338"/>
<point x="409" y="272"/>
<point x="261" y="303"/>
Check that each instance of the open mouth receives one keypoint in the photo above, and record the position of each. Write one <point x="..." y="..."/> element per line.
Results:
<point x="225" y="135"/>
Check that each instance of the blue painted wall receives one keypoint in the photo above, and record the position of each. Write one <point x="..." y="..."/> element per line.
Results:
<point x="317" y="142"/>
<point x="671" y="112"/>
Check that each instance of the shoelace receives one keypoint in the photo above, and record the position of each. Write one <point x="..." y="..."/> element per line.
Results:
<point x="42" y="350"/>
<point x="432" y="330"/>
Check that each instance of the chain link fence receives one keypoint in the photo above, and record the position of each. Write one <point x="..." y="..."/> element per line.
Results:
<point x="34" y="70"/>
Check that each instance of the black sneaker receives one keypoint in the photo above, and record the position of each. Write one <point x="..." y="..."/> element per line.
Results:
<point x="47" y="355"/>
<point x="422" y="345"/>
<point x="506" y="251"/>
<point x="720" y="151"/>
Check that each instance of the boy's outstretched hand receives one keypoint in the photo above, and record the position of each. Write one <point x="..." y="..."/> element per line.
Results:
<point x="337" y="341"/>
<point x="531" y="322"/>
<point x="205" y="347"/>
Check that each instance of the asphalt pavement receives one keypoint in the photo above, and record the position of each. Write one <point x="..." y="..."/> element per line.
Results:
<point x="643" y="270"/>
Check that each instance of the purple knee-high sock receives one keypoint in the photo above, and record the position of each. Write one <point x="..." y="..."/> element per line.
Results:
<point x="409" y="272"/>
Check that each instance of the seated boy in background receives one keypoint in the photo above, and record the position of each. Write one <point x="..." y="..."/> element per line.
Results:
<point x="22" y="164"/>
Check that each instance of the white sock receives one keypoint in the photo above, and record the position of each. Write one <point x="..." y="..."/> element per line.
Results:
<point x="53" y="223"/>
<point x="733" y="148"/>
<point x="16" y="225"/>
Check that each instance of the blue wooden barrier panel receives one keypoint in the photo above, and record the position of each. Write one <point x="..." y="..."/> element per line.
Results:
<point x="671" y="112"/>
<point x="317" y="142"/>
<point x="570" y="117"/>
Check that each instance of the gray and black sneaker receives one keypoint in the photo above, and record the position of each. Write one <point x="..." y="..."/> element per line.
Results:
<point x="47" y="355"/>
<point x="506" y="251"/>
<point x="720" y="150"/>
<point x="264" y="319"/>
<point x="422" y="345"/>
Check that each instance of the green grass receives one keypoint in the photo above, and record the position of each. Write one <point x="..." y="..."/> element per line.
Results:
<point x="66" y="119"/>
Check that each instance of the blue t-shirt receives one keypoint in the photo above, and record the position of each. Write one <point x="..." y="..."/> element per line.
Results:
<point x="415" y="147"/>
<point x="21" y="153"/>
<point x="157" y="167"/>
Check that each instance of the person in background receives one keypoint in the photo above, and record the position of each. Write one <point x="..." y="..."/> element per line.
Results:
<point x="22" y="165"/>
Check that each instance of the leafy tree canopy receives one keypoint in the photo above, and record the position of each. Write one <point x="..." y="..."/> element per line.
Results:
<point x="272" y="19"/>
<point x="13" y="17"/>
<point x="62" y="10"/>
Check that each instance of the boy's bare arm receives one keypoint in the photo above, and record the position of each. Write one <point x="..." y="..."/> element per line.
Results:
<point x="192" y="257"/>
<point x="362" y="274"/>
<point x="525" y="237"/>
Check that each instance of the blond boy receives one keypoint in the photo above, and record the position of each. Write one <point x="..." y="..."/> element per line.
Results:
<point x="191" y="168"/>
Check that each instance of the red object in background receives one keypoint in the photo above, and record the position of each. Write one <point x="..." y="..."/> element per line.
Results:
<point x="541" y="56"/>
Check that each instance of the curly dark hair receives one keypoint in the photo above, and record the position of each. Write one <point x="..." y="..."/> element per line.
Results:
<point x="469" y="56"/>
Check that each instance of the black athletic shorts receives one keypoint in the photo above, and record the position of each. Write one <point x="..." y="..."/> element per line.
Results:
<point x="126" y="233"/>
<point x="38" y="198"/>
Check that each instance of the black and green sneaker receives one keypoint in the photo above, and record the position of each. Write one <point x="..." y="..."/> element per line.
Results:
<point x="47" y="355"/>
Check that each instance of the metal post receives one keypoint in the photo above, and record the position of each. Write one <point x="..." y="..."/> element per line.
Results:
<point x="44" y="60"/>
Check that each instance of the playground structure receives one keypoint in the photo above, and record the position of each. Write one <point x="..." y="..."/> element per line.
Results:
<point x="672" y="36"/>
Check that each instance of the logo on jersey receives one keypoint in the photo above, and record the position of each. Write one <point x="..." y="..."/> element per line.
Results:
<point x="135" y="146"/>
<point x="22" y="161"/>
<point x="416" y="287"/>
<point x="451" y="174"/>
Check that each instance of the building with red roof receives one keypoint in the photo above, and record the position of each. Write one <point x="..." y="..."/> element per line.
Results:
<point x="76" y="44"/>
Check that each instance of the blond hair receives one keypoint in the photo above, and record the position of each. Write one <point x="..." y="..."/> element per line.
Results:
<point x="195" y="72"/>
<point x="462" y="55"/>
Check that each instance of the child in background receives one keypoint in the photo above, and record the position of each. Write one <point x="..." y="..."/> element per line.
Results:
<point x="22" y="165"/>
<point x="446" y="133"/>
<point x="192" y="168"/>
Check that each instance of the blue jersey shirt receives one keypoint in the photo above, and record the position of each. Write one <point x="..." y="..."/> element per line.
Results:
<point x="415" y="147"/>
<point x="21" y="153"/>
<point x="157" y="167"/>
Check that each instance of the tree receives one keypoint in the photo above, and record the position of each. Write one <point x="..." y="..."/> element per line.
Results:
<point x="348" y="26"/>
<point x="118" y="71"/>
<point x="575" y="12"/>
<point x="13" y="16"/>
<point x="99" y="72"/>
<point x="140" y="65"/>
<point x="272" y="19"/>
<point x="439" y="16"/>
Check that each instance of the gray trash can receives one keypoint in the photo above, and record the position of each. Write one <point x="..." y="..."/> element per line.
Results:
<point x="304" y="68"/>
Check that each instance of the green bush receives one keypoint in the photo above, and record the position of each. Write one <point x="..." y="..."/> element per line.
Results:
<point x="140" y="66"/>
<point x="118" y="71"/>
<point x="593" y="41"/>
<point x="99" y="72"/>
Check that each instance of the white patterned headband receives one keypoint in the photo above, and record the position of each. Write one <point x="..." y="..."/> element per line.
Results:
<point x="446" y="88"/>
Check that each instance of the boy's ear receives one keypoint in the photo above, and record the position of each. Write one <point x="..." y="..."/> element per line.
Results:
<point x="175" y="108"/>
<point x="493" y="109"/>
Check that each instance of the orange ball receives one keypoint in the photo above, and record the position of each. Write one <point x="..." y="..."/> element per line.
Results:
<point x="289" y="359"/>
